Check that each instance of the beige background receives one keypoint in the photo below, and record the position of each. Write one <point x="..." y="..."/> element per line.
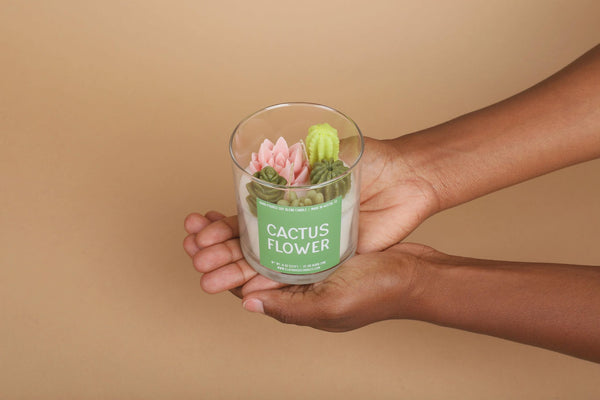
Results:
<point x="114" y="123"/>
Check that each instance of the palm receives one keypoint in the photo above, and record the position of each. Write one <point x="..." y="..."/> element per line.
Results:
<point x="367" y="288"/>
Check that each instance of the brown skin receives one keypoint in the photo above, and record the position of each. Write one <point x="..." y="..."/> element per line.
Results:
<point x="552" y="125"/>
<point x="549" y="126"/>
<point x="388" y="213"/>
<point x="554" y="306"/>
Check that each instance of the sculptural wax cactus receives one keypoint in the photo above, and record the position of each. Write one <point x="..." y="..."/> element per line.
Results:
<point x="322" y="143"/>
<point x="326" y="170"/>
<point x="266" y="193"/>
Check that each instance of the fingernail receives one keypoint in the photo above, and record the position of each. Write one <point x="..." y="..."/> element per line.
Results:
<point x="254" y="305"/>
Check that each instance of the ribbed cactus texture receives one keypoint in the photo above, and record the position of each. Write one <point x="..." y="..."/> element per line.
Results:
<point x="322" y="143"/>
<point x="325" y="170"/>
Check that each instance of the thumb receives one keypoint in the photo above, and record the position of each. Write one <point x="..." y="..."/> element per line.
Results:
<point x="377" y="232"/>
<point x="290" y="305"/>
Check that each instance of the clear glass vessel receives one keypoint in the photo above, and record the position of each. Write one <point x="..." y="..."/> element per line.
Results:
<point x="296" y="234"/>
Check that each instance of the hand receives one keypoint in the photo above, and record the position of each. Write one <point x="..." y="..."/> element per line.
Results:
<point x="394" y="200"/>
<point x="367" y="288"/>
<point x="213" y="244"/>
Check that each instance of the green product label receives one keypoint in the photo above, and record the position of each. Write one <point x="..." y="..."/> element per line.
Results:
<point x="299" y="240"/>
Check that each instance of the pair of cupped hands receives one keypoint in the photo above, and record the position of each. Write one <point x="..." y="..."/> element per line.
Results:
<point x="374" y="285"/>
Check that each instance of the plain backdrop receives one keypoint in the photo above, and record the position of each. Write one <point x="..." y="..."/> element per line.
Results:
<point x="114" y="124"/>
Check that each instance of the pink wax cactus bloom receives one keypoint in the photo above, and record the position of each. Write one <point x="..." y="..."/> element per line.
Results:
<point x="289" y="162"/>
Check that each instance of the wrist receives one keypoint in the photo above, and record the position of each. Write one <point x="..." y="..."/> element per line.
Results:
<point x="456" y="162"/>
<point x="547" y="127"/>
<point x="417" y="158"/>
<point x="417" y="268"/>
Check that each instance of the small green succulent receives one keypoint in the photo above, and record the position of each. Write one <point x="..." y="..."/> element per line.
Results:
<point x="312" y="197"/>
<point x="256" y="190"/>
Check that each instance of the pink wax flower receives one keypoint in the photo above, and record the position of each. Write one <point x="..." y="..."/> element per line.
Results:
<point x="289" y="162"/>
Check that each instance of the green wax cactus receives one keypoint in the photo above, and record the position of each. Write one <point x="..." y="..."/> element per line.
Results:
<point x="326" y="170"/>
<point x="256" y="190"/>
<point x="322" y="143"/>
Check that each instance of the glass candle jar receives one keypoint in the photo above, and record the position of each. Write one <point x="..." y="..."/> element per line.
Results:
<point x="296" y="230"/>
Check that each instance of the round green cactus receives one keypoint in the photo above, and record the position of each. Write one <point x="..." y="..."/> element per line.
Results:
<point x="322" y="143"/>
<point x="256" y="190"/>
<point x="327" y="170"/>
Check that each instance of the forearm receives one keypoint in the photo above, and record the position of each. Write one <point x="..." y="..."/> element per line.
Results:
<point x="547" y="127"/>
<point x="546" y="305"/>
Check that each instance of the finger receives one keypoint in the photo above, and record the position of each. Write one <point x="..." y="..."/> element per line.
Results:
<point x="214" y="215"/>
<point x="227" y="277"/>
<point x="195" y="222"/>
<point x="189" y="245"/>
<point x="218" y="231"/>
<point x="259" y="283"/>
<point x="215" y="256"/>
